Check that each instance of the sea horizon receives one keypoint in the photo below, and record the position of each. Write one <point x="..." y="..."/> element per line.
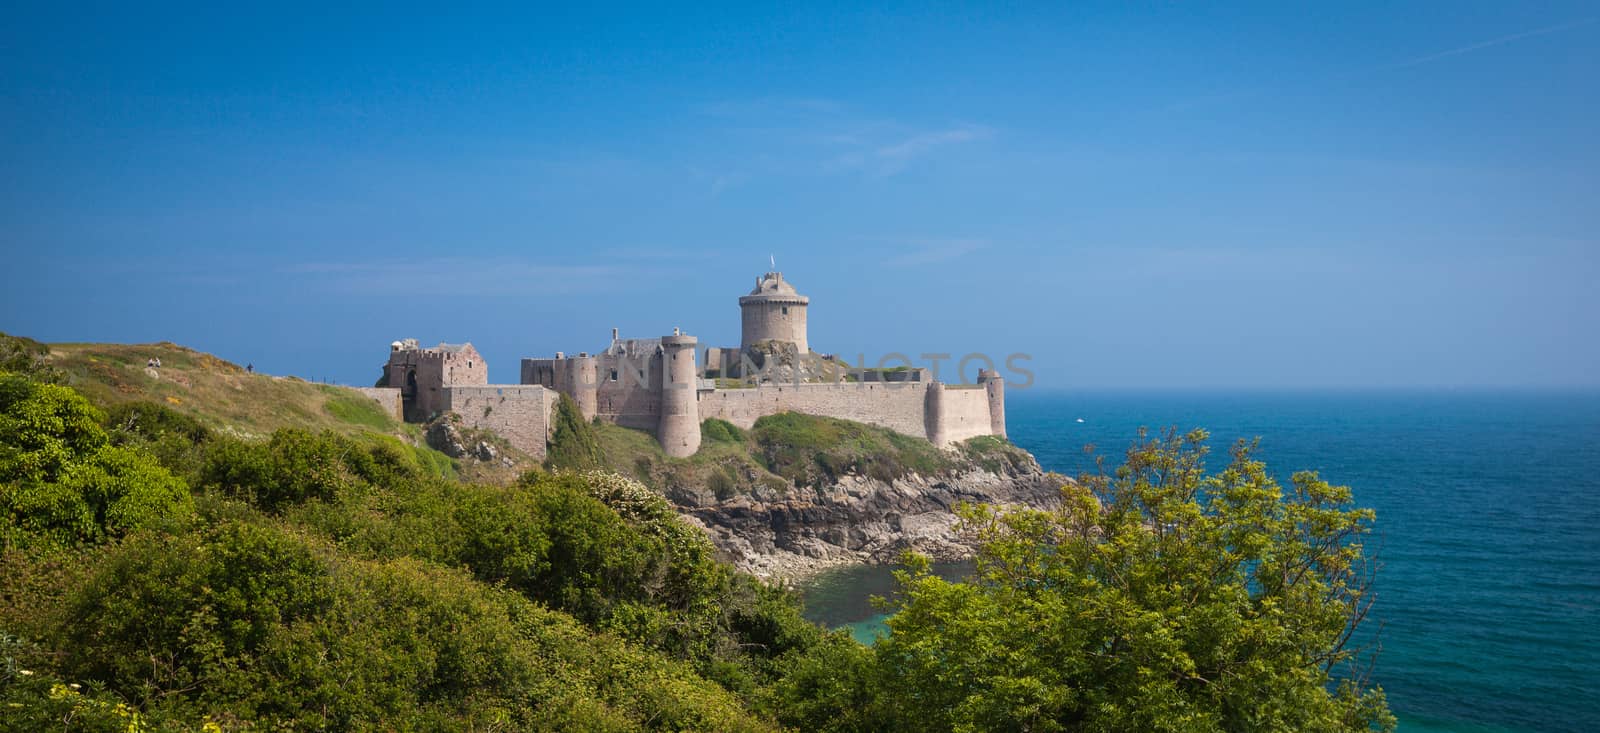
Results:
<point x="1486" y="502"/>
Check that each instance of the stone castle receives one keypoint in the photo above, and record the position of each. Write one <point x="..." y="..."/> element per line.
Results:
<point x="659" y="384"/>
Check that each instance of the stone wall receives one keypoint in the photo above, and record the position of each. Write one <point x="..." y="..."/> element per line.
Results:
<point x="522" y="414"/>
<point x="954" y="414"/>
<point x="387" y="397"/>
<point x="898" y="407"/>
<point x="963" y="413"/>
<point x="629" y="392"/>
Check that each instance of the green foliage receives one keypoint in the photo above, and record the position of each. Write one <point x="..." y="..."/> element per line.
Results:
<point x="337" y="581"/>
<point x="44" y="428"/>
<point x="1158" y="597"/>
<point x="995" y="454"/>
<point x="297" y="466"/>
<point x="62" y="482"/>
<point x="294" y="466"/>
<point x="34" y="700"/>
<point x="248" y="622"/>
<point x="24" y="356"/>
<point x="574" y="445"/>
<point x="407" y="459"/>
<point x="176" y="440"/>
<point x="321" y="580"/>
<point x="835" y="685"/>
<point x="153" y="421"/>
<point x="605" y="549"/>
<point x="718" y="430"/>
<point x="812" y="450"/>
<point x="356" y="409"/>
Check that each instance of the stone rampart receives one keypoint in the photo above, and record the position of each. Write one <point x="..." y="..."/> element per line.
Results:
<point x="963" y="413"/>
<point x="898" y="406"/>
<point x="522" y="414"/>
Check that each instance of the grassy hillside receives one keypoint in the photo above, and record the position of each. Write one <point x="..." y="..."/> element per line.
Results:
<point x="219" y="393"/>
<point x="227" y="399"/>
<point x="159" y="575"/>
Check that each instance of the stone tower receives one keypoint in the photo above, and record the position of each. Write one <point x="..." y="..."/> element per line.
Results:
<point x="581" y="380"/>
<point x="423" y="375"/>
<point x="679" y="429"/>
<point x="774" y="311"/>
<point x="995" y="385"/>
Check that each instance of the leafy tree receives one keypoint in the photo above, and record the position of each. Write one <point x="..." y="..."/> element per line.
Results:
<point x="573" y="444"/>
<point x="598" y="546"/>
<point x="255" y="624"/>
<point x="62" y="482"/>
<point x="152" y="421"/>
<point x="294" y="466"/>
<point x="23" y="355"/>
<point x="1158" y="597"/>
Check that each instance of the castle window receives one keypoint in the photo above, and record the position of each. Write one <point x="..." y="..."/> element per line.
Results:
<point x="613" y="375"/>
<point x="786" y="310"/>
<point x="469" y="365"/>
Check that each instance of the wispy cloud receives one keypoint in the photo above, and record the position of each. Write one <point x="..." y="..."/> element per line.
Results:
<point x="768" y="105"/>
<point x="1357" y="73"/>
<point x="715" y="182"/>
<point x="890" y="157"/>
<point x="493" y="277"/>
<point x="1502" y="40"/>
<point x="931" y="251"/>
<point x="927" y="141"/>
<point x="799" y="135"/>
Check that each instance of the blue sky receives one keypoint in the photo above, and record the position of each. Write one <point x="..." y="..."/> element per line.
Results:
<point x="1137" y="195"/>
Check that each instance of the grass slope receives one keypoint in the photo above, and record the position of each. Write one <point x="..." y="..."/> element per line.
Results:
<point x="218" y="393"/>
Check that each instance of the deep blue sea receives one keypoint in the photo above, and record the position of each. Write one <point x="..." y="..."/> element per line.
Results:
<point x="1488" y="531"/>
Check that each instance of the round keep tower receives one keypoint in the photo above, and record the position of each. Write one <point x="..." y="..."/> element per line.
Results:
<point x="774" y="311"/>
<point x="995" y="386"/>
<point x="679" y="428"/>
<point x="582" y="381"/>
<point x="933" y="414"/>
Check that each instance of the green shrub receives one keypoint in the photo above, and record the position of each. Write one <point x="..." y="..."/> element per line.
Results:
<point x="574" y="444"/>
<point x="603" y="548"/>
<point x="995" y="454"/>
<point x="258" y="624"/>
<point x="153" y="421"/>
<point x="812" y="450"/>
<point x="62" y="482"/>
<point x="718" y="430"/>
<point x="23" y="355"/>
<point x="292" y="467"/>
<point x="1158" y="596"/>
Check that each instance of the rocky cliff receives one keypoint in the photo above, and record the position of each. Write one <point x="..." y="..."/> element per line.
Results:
<point x="860" y="519"/>
<point x="798" y="493"/>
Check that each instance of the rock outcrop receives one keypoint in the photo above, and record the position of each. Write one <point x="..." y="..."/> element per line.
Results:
<point x="445" y="434"/>
<point x="792" y="532"/>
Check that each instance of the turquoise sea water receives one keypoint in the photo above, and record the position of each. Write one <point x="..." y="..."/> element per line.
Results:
<point x="1488" y="531"/>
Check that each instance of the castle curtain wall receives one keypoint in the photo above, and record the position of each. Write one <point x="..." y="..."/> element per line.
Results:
<point x="521" y="414"/>
<point x="897" y="406"/>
